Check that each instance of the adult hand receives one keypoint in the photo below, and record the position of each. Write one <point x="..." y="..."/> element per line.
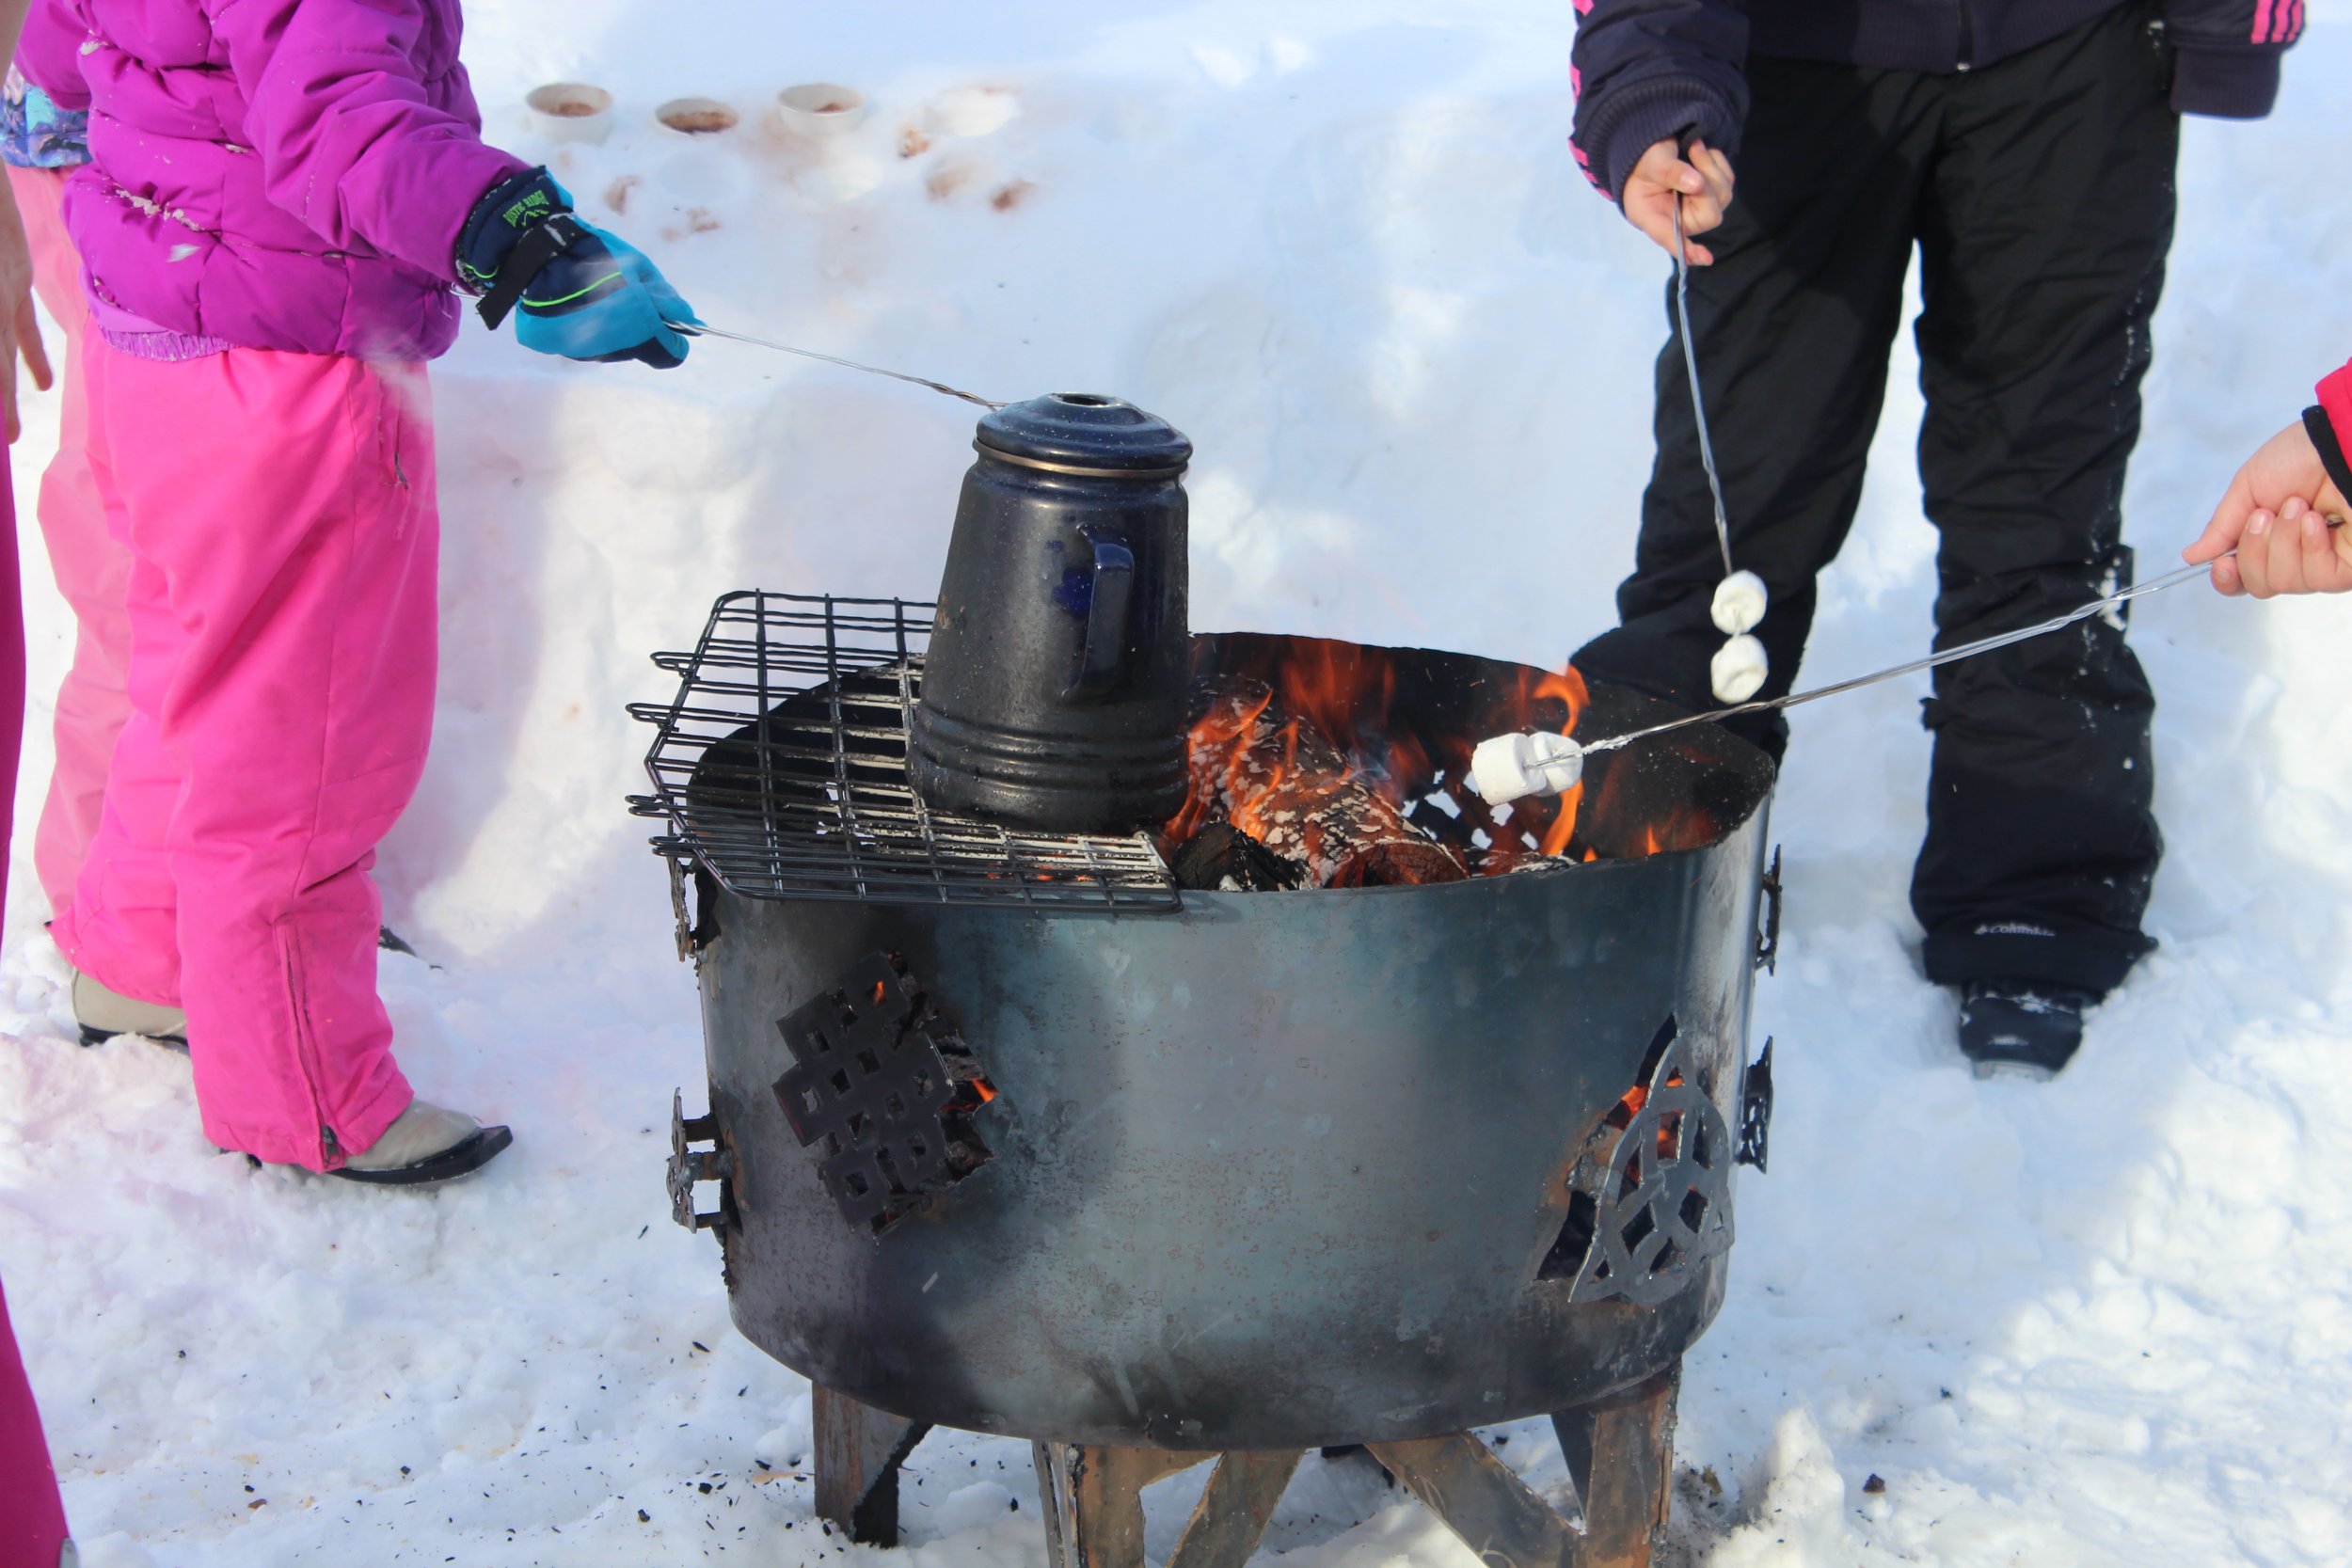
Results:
<point x="20" y="327"/>
<point x="1702" y="184"/>
<point x="2276" y="515"/>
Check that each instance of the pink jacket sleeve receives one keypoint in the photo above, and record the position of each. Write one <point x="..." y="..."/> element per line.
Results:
<point x="2335" y="395"/>
<point x="350" y="141"/>
<point x="50" y="52"/>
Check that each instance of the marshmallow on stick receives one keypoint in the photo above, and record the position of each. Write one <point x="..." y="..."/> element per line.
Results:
<point x="1740" y="601"/>
<point x="1739" y="670"/>
<point x="1509" y="767"/>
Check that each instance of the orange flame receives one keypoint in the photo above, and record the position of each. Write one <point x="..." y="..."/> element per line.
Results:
<point x="1280" y="716"/>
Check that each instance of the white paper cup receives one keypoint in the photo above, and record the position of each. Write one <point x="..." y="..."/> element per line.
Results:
<point x="818" y="109"/>
<point x="697" y="116"/>
<point x="571" y="111"/>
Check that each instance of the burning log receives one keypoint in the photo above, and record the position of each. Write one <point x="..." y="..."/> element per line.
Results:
<point x="1222" y="858"/>
<point x="1281" y="781"/>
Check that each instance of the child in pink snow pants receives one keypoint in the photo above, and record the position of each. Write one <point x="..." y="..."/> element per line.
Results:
<point x="282" y="624"/>
<point x="43" y="148"/>
<point x="32" y="1517"/>
<point x="283" y="199"/>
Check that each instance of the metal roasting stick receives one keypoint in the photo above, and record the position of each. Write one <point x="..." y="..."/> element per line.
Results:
<point x="703" y="329"/>
<point x="1967" y="650"/>
<point x="1698" y="403"/>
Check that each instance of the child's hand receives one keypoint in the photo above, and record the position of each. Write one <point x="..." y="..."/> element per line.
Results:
<point x="20" y="327"/>
<point x="573" y="290"/>
<point x="2292" y="552"/>
<point x="600" y="299"/>
<point x="1703" y="185"/>
<point x="2276" y="515"/>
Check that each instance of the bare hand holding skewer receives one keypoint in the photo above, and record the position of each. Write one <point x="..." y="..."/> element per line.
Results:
<point x="1663" y="178"/>
<point x="2283" y="518"/>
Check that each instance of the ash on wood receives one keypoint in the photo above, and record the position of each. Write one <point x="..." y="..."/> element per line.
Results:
<point x="1283" y="783"/>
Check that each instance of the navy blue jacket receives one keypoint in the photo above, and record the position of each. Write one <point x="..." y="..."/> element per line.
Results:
<point x="1647" y="70"/>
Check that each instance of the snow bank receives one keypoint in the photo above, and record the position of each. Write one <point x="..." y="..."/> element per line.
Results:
<point x="2102" y="1320"/>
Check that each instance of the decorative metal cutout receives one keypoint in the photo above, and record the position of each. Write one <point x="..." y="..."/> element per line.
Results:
<point x="691" y="1165"/>
<point x="884" y="1085"/>
<point x="1755" y="1111"/>
<point x="1649" y="1204"/>
<point x="1768" y="938"/>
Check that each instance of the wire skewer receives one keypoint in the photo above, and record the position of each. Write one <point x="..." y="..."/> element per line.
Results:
<point x="1698" y="403"/>
<point x="703" y="329"/>
<point x="1965" y="650"/>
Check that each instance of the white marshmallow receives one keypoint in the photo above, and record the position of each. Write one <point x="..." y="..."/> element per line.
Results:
<point x="1739" y="670"/>
<point x="1740" y="601"/>
<point x="1508" y="767"/>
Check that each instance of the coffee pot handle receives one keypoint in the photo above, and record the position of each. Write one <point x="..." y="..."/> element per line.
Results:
<point x="1106" y="621"/>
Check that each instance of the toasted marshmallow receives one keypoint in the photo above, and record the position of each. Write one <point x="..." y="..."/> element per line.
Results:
<point x="1739" y="670"/>
<point x="1740" y="601"/>
<point x="1509" y="767"/>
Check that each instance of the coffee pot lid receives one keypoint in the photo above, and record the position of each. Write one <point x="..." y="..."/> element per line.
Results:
<point x="1084" y="430"/>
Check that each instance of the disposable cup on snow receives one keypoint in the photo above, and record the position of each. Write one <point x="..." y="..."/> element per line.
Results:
<point x="571" y="111"/>
<point x="697" y="116"/>
<point x="817" y="110"/>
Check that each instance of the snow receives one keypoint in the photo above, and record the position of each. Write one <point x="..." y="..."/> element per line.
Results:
<point x="2107" y="1320"/>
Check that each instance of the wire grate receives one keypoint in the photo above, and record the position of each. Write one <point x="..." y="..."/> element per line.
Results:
<point x="781" y="766"/>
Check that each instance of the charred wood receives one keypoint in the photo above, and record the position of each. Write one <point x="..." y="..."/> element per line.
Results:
<point x="1283" y="783"/>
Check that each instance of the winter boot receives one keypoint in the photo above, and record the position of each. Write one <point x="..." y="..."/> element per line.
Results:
<point x="426" y="1144"/>
<point x="104" y="1014"/>
<point x="2021" y="1025"/>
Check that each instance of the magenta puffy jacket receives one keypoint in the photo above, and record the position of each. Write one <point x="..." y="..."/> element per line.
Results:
<point x="283" y="174"/>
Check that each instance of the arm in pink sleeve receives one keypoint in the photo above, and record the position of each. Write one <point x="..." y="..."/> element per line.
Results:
<point x="349" y="139"/>
<point x="50" y="52"/>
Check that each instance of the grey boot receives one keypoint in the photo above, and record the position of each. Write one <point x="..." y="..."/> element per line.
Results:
<point x="104" y="1014"/>
<point x="426" y="1144"/>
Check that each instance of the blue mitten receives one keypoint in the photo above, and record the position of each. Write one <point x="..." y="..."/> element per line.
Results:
<point x="575" y="290"/>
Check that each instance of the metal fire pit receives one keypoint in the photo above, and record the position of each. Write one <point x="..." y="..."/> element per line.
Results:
<point x="1261" y="1171"/>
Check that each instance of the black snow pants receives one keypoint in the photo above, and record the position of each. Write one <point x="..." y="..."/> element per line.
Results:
<point x="2039" y="192"/>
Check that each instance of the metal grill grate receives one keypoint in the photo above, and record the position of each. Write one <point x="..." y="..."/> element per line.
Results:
<point x="781" y="766"/>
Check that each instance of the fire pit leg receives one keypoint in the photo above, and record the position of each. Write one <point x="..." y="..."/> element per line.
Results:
<point x="1094" y="1500"/>
<point x="1231" y="1515"/>
<point x="1620" y="1454"/>
<point x="859" y="1450"/>
<point x="1483" y="1501"/>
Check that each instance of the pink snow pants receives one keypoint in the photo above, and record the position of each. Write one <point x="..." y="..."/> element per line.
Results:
<point x="279" y="512"/>
<point x="32" y="1518"/>
<point x="93" y="572"/>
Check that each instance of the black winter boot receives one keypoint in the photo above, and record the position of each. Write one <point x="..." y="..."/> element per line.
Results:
<point x="2022" y="1024"/>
